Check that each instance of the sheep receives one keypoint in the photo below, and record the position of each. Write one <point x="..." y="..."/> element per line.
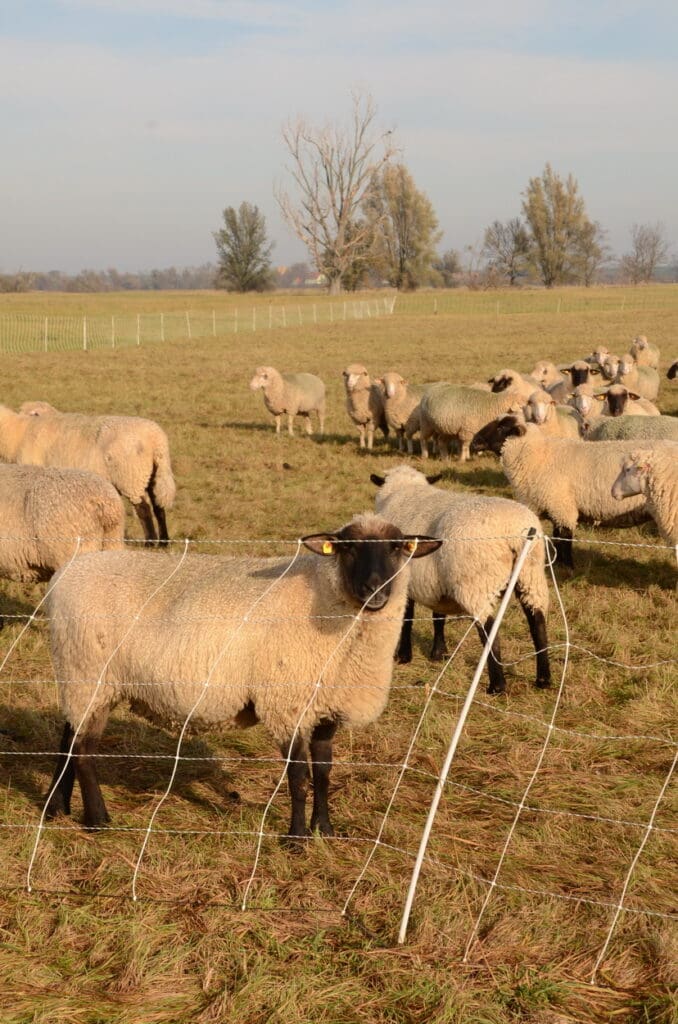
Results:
<point x="653" y="472"/>
<point x="131" y="452"/>
<point x="610" y="366"/>
<point x="293" y="394"/>
<point x="560" y="478"/>
<point x="301" y="646"/>
<point x="619" y="401"/>
<point x="641" y="379"/>
<point x="583" y="400"/>
<point x="598" y="356"/>
<point x="467" y="575"/>
<point x="552" y="419"/>
<point x="401" y="407"/>
<point x="644" y="352"/>
<point x="364" y="403"/>
<point x="547" y="374"/>
<point x="49" y="515"/>
<point x="672" y="371"/>
<point x="521" y="384"/>
<point x="634" y="428"/>
<point x="455" y="411"/>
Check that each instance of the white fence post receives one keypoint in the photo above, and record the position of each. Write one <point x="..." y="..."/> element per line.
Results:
<point x="236" y="320"/>
<point x="270" y="317"/>
<point x="529" y="541"/>
<point x="315" y="318"/>
<point x="188" y="325"/>
<point x="84" y="333"/>
<point x="284" y="318"/>
<point x="214" y="323"/>
<point x="254" y="318"/>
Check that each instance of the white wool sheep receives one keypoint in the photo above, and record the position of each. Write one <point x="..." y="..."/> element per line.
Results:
<point x="552" y="419"/>
<point x="455" y="411"/>
<point x="562" y="479"/>
<point x="401" y="407"/>
<point x="633" y="428"/>
<point x="598" y="356"/>
<point x="364" y="403"/>
<point x="653" y="472"/>
<point x="301" y="645"/>
<point x="610" y="366"/>
<point x="644" y="352"/>
<point x="617" y="400"/>
<point x="131" y="452"/>
<point x="49" y="515"/>
<point x="641" y="379"/>
<point x="482" y="537"/>
<point x="521" y="384"/>
<point x="548" y="374"/>
<point x="293" y="394"/>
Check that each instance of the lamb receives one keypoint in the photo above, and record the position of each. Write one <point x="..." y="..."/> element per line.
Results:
<point x="562" y="479"/>
<point x="552" y="419"/>
<point x="131" y="452"/>
<point x="641" y="379"/>
<point x="653" y="472"/>
<point x="49" y="515"/>
<point x="644" y="352"/>
<point x="301" y="646"/>
<point x="634" y="428"/>
<point x="293" y="394"/>
<point x="455" y="411"/>
<point x="401" y="407"/>
<point x="364" y="403"/>
<point x="482" y="536"/>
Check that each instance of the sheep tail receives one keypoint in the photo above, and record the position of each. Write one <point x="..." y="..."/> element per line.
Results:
<point x="532" y="583"/>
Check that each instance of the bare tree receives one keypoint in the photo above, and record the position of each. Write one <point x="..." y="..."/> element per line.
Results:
<point x="591" y="252"/>
<point x="506" y="248"/>
<point x="649" y="248"/>
<point x="335" y="170"/>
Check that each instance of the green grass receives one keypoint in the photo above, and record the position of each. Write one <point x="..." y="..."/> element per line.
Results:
<point x="77" y="950"/>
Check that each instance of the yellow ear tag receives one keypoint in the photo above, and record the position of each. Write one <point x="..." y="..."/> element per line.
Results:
<point x="411" y="546"/>
<point x="328" y="548"/>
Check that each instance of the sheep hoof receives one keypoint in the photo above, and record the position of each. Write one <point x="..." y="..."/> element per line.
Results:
<point x="438" y="654"/>
<point x="321" y="829"/>
<point x="495" y="688"/>
<point x="402" y="658"/>
<point x="542" y="684"/>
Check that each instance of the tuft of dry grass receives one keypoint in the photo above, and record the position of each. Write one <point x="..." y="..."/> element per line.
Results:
<point x="78" y="950"/>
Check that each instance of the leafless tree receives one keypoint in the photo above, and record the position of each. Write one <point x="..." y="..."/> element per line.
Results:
<point x="334" y="169"/>
<point x="507" y="247"/>
<point x="649" y="248"/>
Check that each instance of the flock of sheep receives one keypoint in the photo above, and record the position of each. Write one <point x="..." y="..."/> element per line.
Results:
<point x="307" y="644"/>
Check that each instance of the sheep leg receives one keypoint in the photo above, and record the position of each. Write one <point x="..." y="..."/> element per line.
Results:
<point x="145" y="515"/>
<point x="162" y="520"/>
<point x="562" y="535"/>
<point x="85" y="747"/>
<point x="290" y="424"/>
<point x="537" y="626"/>
<point x="361" y="432"/>
<point x="494" y="667"/>
<point x="297" y="780"/>
<point x="277" y="424"/>
<point x="439" y="649"/>
<point x="321" y="764"/>
<point x="403" y="654"/>
<point x="61" y="785"/>
<point x="308" y="424"/>
<point x="370" y="436"/>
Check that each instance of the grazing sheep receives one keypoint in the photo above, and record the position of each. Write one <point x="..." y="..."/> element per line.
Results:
<point x="293" y="394"/>
<point x="401" y="407"/>
<point x="641" y="379"/>
<point x="132" y="453"/>
<point x="521" y="384"/>
<point x="364" y="403"/>
<point x="49" y="515"/>
<point x="644" y="352"/>
<point x="455" y="411"/>
<point x="653" y="472"/>
<point x="634" y="428"/>
<point x="565" y="480"/>
<point x="552" y="419"/>
<point x="672" y="371"/>
<point x="301" y="646"/>
<point x="483" y="537"/>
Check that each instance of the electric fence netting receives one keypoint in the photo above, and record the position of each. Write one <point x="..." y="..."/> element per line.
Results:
<point x="488" y="801"/>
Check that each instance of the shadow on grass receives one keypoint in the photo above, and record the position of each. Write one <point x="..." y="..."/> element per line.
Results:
<point x="23" y="731"/>
<point x="14" y="608"/>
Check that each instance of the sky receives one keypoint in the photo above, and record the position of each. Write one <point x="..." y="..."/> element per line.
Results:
<point x="129" y="125"/>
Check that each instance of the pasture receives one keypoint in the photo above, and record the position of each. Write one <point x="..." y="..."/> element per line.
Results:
<point x="78" y="950"/>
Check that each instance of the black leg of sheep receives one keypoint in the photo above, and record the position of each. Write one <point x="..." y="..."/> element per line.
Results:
<point x="494" y="667"/>
<point x="297" y="779"/>
<point x="321" y="764"/>
<point x="403" y="653"/>
<point x="439" y="648"/>
<point x="63" y="778"/>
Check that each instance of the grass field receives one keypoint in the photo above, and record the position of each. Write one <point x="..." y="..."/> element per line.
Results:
<point x="78" y="950"/>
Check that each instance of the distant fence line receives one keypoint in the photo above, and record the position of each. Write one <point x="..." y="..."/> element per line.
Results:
<point x="27" y="332"/>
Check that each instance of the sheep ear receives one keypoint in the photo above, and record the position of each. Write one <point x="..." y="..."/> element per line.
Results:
<point x="434" y="478"/>
<point x="633" y="396"/>
<point x="379" y="481"/>
<point x="321" y="543"/>
<point x="418" y="546"/>
<point x="594" y="369"/>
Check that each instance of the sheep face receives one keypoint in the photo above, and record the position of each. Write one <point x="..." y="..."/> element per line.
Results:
<point x="492" y="437"/>
<point x="370" y="560"/>
<point x="610" y="367"/>
<point x="262" y="378"/>
<point x="631" y="478"/>
<point x="579" y="372"/>
<point x="537" y="408"/>
<point x="617" y="399"/>
<point x="355" y="377"/>
<point x="501" y="381"/>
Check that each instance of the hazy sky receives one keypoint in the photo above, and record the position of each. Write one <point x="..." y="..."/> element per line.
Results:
<point x="128" y="125"/>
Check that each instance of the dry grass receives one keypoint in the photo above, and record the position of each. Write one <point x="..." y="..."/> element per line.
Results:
<point x="77" y="950"/>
